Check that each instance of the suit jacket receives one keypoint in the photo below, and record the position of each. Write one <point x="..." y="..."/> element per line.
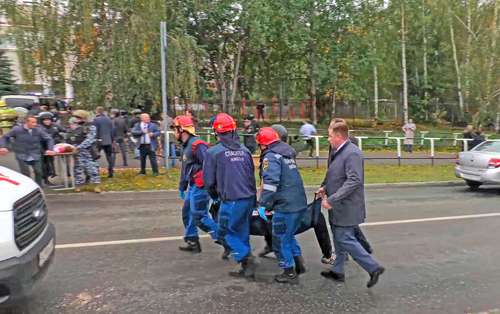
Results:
<point x="138" y="133"/>
<point x="344" y="184"/>
<point x="27" y="146"/>
<point x="104" y="127"/>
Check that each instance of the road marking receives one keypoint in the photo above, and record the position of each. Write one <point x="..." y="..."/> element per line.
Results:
<point x="409" y="221"/>
<point x="176" y="238"/>
<point x="119" y="242"/>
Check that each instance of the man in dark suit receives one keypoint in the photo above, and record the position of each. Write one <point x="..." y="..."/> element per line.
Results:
<point x="104" y="127"/>
<point x="28" y="142"/>
<point x="345" y="199"/>
<point x="147" y="134"/>
<point x="120" y="129"/>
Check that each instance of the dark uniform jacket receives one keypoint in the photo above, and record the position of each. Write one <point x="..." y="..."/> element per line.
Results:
<point x="55" y="131"/>
<point x="249" y="136"/>
<point x="282" y="186"/>
<point x="120" y="128"/>
<point x="228" y="170"/>
<point x="27" y="146"/>
<point x="193" y="155"/>
<point x="344" y="184"/>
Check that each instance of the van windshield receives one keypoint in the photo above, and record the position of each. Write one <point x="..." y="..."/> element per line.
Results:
<point x="19" y="102"/>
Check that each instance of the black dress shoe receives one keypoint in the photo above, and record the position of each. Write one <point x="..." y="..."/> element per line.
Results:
<point x="333" y="275"/>
<point x="374" y="277"/>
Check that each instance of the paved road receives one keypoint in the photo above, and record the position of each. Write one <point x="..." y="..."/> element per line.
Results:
<point x="444" y="266"/>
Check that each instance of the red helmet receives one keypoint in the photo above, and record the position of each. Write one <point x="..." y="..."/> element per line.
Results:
<point x="224" y="123"/>
<point x="267" y="136"/>
<point x="184" y="123"/>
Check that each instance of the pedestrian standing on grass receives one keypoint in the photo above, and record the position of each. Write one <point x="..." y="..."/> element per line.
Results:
<point x="104" y="127"/>
<point x="147" y="134"/>
<point x="120" y="130"/>
<point x="409" y="130"/>
<point x="344" y="197"/>
<point x="28" y="142"/>
<point x="83" y="135"/>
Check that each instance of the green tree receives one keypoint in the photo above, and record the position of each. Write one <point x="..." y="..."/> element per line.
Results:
<point x="7" y="82"/>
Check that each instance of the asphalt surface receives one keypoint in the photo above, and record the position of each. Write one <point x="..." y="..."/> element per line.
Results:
<point x="445" y="266"/>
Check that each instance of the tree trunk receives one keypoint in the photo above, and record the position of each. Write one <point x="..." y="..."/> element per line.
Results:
<point x="312" y="78"/>
<point x="222" y="85"/>
<point x="426" y="77"/>
<point x="493" y="56"/>
<point x="457" y="67"/>
<point x="234" y="88"/>
<point x="467" y="56"/>
<point x="403" y="63"/>
<point x="334" y="101"/>
<point x="375" y="91"/>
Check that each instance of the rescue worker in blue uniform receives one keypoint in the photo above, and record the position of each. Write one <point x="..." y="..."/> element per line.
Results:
<point x="228" y="173"/>
<point x="283" y="192"/>
<point x="191" y="187"/>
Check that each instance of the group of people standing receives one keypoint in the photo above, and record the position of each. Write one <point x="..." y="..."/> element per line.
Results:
<point x="33" y="138"/>
<point x="223" y="176"/>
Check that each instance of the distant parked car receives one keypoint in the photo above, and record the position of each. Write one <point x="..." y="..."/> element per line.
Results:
<point x="481" y="165"/>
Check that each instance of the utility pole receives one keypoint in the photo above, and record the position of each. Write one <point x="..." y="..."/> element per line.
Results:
<point x="164" y="101"/>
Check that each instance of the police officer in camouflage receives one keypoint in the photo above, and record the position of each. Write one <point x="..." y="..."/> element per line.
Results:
<point x="282" y="192"/>
<point x="82" y="135"/>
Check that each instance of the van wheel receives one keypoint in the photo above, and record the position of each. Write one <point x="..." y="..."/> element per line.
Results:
<point x="474" y="185"/>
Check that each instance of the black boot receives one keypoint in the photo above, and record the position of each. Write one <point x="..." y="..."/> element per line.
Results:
<point x="265" y="251"/>
<point x="226" y="253"/>
<point x="300" y="266"/>
<point x="191" y="246"/>
<point x="247" y="270"/>
<point x="288" y="276"/>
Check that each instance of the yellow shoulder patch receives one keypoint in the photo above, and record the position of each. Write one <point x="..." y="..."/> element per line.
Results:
<point x="265" y="164"/>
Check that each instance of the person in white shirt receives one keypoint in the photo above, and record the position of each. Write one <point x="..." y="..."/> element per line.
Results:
<point x="147" y="134"/>
<point x="307" y="130"/>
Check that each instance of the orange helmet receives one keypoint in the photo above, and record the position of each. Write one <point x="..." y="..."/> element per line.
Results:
<point x="224" y="123"/>
<point x="184" y="123"/>
<point x="267" y="136"/>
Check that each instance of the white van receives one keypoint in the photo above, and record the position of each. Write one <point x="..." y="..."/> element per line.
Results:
<point x="25" y="101"/>
<point x="27" y="239"/>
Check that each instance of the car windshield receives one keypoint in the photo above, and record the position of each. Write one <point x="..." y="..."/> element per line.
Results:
<point x="489" y="147"/>
<point x="19" y="102"/>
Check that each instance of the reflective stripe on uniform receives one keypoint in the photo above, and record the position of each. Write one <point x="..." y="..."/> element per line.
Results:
<point x="270" y="187"/>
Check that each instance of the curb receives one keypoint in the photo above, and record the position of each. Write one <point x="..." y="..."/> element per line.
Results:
<point x="367" y="187"/>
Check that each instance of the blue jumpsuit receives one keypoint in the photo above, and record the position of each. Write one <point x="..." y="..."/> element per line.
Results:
<point x="283" y="192"/>
<point x="228" y="173"/>
<point x="195" y="209"/>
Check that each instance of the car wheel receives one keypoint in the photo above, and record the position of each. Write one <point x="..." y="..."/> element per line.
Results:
<point x="474" y="185"/>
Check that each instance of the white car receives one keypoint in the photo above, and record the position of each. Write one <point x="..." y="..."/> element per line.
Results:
<point x="481" y="165"/>
<point x="27" y="239"/>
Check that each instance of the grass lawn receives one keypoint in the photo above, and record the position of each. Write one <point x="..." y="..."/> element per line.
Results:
<point x="127" y="180"/>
